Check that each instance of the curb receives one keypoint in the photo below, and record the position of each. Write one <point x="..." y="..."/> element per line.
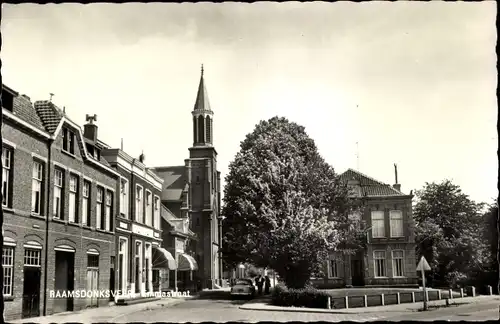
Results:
<point x="153" y="307"/>
<point x="374" y="309"/>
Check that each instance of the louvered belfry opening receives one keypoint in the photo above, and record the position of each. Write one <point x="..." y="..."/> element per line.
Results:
<point x="208" y="121"/>
<point x="194" y="130"/>
<point x="201" y="130"/>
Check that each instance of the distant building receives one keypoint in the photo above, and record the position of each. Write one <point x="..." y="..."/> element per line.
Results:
<point x="58" y="201"/>
<point x="192" y="192"/>
<point x="389" y="257"/>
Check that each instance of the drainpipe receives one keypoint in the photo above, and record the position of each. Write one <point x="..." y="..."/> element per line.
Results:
<point x="47" y="213"/>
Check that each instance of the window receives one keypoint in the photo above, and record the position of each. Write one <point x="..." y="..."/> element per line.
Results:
<point x="397" y="263"/>
<point x="157" y="213"/>
<point x="124" y="198"/>
<point x="58" y="192"/>
<point x="99" y="219"/>
<point x="378" y="227"/>
<point x="396" y="217"/>
<point x="92" y="261"/>
<point x="109" y="201"/>
<point x="149" y="208"/>
<point x="36" y="190"/>
<point x="68" y="141"/>
<point x="32" y="258"/>
<point x="6" y="176"/>
<point x="85" y="203"/>
<point x="139" y="208"/>
<point x="8" y="273"/>
<point x="332" y="269"/>
<point x="73" y="203"/>
<point x="379" y="259"/>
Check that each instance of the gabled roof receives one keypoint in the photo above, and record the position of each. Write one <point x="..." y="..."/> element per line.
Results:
<point x="202" y="103"/>
<point x="174" y="182"/>
<point x="368" y="186"/>
<point x="23" y="108"/>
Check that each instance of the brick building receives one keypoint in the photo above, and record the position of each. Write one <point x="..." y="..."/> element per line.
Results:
<point x="58" y="205"/>
<point x="138" y="226"/>
<point x="192" y="191"/>
<point x="389" y="257"/>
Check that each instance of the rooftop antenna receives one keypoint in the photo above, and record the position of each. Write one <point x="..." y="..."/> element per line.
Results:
<point x="396" y="172"/>
<point x="121" y="146"/>
<point x="202" y="70"/>
<point x="51" y="95"/>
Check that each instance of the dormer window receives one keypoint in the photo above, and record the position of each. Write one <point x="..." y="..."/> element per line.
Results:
<point x="7" y="100"/>
<point x="97" y="154"/>
<point x="68" y="141"/>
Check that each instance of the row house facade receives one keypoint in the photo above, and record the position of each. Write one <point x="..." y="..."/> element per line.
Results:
<point x="389" y="256"/>
<point x="58" y="201"/>
<point x="140" y="257"/>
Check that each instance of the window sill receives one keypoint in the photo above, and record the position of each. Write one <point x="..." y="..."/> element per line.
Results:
<point x="123" y="216"/>
<point x="37" y="216"/>
<point x="86" y="227"/>
<point x="398" y="277"/>
<point x="381" y="277"/>
<point x="58" y="220"/>
<point x="104" y="231"/>
<point x="8" y="209"/>
<point x="68" y="153"/>
<point x="74" y="224"/>
<point x="8" y="298"/>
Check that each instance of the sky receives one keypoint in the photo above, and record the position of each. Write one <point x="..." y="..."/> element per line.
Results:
<point x="412" y="83"/>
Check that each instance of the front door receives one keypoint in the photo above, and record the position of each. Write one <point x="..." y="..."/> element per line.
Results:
<point x="357" y="273"/>
<point x="64" y="281"/>
<point x="31" y="292"/>
<point x="93" y="286"/>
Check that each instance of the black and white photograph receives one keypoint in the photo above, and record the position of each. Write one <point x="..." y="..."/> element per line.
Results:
<point x="246" y="162"/>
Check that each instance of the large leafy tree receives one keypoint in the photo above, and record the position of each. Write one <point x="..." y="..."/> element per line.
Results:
<point x="284" y="205"/>
<point x="448" y="227"/>
<point x="489" y="232"/>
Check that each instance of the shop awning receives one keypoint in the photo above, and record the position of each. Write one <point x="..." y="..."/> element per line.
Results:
<point x="163" y="259"/>
<point x="187" y="263"/>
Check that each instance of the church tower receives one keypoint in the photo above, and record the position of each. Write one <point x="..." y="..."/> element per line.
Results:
<point x="204" y="191"/>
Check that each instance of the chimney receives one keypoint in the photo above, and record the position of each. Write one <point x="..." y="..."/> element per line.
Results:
<point x="26" y="97"/>
<point x="142" y="157"/>
<point x="396" y="186"/>
<point x="90" y="129"/>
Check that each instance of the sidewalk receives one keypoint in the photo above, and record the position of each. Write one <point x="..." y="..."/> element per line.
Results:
<point x="107" y="314"/>
<point x="263" y="305"/>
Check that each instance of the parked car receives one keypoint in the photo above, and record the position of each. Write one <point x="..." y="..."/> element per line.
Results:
<point x="243" y="287"/>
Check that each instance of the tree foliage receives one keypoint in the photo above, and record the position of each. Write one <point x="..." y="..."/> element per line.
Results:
<point x="284" y="205"/>
<point x="448" y="231"/>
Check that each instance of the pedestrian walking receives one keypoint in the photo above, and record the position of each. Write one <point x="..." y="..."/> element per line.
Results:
<point x="259" y="281"/>
<point x="267" y="282"/>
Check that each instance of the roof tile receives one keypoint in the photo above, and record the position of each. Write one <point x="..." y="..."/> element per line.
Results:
<point x="368" y="186"/>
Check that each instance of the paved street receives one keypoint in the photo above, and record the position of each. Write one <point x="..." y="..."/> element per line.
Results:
<point x="223" y="309"/>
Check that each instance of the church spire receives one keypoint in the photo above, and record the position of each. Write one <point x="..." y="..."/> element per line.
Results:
<point x="202" y="116"/>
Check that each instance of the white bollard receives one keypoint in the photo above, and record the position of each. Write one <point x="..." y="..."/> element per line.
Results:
<point x="439" y="294"/>
<point x="412" y="296"/>
<point x="365" y="300"/>
<point x="398" y="298"/>
<point x="461" y="293"/>
<point x="490" y="290"/>
<point x="473" y="291"/>
<point x="382" y="299"/>
<point x="346" y="302"/>
<point x="450" y="292"/>
<point x="329" y="303"/>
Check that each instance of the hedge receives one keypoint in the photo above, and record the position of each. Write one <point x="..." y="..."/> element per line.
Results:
<point x="305" y="297"/>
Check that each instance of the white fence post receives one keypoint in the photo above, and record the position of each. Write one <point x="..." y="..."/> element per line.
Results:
<point x="398" y="297"/>
<point x="473" y="291"/>
<point x="365" y="300"/>
<point x="382" y="298"/>
<point x="450" y="292"/>
<point x="412" y="296"/>
<point x="439" y="294"/>
<point x="461" y="293"/>
<point x="346" y="302"/>
<point x="329" y="303"/>
<point x="490" y="290"/>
